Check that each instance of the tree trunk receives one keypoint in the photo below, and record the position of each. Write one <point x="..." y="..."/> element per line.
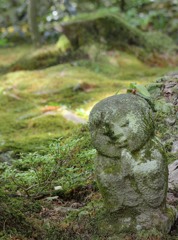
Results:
<point x="33" y="22"/>
<point x="122" y="5"/>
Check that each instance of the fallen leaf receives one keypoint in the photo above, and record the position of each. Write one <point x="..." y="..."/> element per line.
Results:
<point x="50" y="108"/>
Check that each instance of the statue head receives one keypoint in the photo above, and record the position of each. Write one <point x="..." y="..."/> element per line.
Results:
<point x="121" y="121"/>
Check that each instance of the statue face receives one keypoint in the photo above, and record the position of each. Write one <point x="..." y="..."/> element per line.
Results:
<point x="118" y="124"/>
<point x="120" y="132"/>
<point x="128" y="131"/>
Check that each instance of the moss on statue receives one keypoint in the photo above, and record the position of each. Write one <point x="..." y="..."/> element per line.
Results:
<point x="131" y="168"/>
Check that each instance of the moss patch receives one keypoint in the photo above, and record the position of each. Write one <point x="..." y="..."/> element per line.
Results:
<point x="109" y="26"/>
<point x="31" y="101"/>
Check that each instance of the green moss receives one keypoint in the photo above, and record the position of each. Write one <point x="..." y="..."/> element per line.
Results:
<point x="105" y="194"/>
<point x="73" y="98"/>
<point x="151" y="234"/>
<point x="24" y="127"/>
<point x="41" y="58"/>
<point x="87" y="28"/>
<point x="110" y="225"/>
<point x="160" y="42"/>
<point x="35" y="134"/>
<point x="63" y="44"/>
<point x="171" y="213"/>
<point x="10" y="55"/>
<point x="13" y="220"/>
<point x="112" y="170"/>
<point x="24" y="95"/>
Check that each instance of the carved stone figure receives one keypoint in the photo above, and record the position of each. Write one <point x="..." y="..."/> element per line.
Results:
<point x="131" y="167"/>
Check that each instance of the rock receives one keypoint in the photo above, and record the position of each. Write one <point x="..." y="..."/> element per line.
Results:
<point x="170" y="121"/>
<point x="170" y="88"/>
<point x="65" y="209"/>
<point x="85" y="87"/>
<point x="171" y="198"/>
<point x="72" y="117"/>
<point x="46" y="92"/>
<point x="7" y="157"/>
<point x="173" y="177"/>
<point x="175" y="147"/>
<point x="131" y="169"/>
<point x="99" y="26"/>
<point x="172" y="74"/>
<point x="68" y="115"/>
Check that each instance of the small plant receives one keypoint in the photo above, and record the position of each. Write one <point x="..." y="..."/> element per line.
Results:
<point x="68" y="163"/>
<point x="158" y="105"/>
<point x="139" y="90"/>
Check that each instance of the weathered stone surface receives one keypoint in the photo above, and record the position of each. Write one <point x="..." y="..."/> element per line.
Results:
<point x="173" y="177"/>
<point x="175" y="147"/>
<point x="116" y="123"/>
<point x="131" y="167"/>
<point x="7" y="157"/>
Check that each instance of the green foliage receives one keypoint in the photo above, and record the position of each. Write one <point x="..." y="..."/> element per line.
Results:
<point x="65" y="166"/>
<point x="158" y="41"/>
<point x="159" y="105"/>
<point x="3" y="42"/>
<point x="66" y="163"/>
<point x="139" y="89"/>
<point x="145" y="14"/>
<point x="160" y="15"/>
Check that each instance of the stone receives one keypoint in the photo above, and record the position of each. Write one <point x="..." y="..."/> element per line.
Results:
<point x="175" y="147"/>
<point x="131" y="168"/>
<point x="7" y="157"/>
<point x="173" y="178"/>
<point x="68" y="115"/>
<point x="171" y="121"/>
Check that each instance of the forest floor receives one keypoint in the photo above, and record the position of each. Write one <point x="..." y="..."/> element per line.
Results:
<point x="46" y="157"/>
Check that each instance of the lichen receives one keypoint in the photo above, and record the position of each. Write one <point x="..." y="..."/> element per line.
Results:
<point x="146" y="167"/>
<point x="132" y="122"/>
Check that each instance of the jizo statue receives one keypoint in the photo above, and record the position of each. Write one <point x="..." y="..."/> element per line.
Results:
<point x="131" y="167"/>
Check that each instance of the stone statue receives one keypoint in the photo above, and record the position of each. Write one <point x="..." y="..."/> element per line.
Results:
<point x="131" y="167"/>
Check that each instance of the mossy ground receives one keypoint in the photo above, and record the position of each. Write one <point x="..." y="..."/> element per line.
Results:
<point x="25" y="95"/>
<point x="32" y="103"/>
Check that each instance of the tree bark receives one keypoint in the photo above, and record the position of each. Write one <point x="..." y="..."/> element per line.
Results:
<point x="122" y="5"/>
<point x="33" y="21"/>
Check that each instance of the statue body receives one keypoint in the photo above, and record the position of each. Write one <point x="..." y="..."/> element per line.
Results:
<point x="131" y="167"/>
